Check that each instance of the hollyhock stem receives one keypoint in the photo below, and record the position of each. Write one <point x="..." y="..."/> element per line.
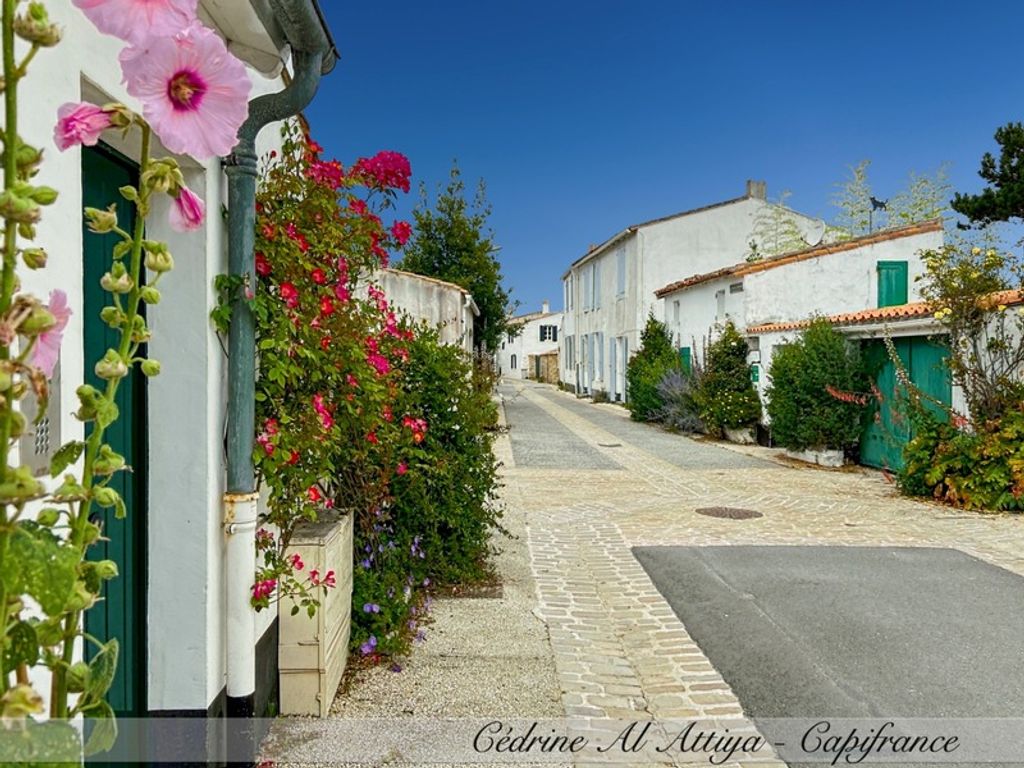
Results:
<point x="126" y="350"/>
<point x="7" y="279"/>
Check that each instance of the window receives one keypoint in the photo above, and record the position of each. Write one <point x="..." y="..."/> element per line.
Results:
<point x="511" y="337"/>
<point x="892" y="283"/>
<point x="549" y="333"/>
<point x="620" y="272"/>
<point x="675" y="310"/>
<point x="720" y="301"/>
<point x="570" y="359"/>
<point x="588" y="280"/>
<point x="595" y="286"/>
<point x="514" y="366"/>
<point x="736" y="288"/>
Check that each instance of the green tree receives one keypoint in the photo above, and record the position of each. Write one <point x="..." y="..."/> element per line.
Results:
<point x="726" y="398"/>
<point x="925" y="197"/>
<point x="1004" y="198"/>
<point x="453" y="242"/>
<point x="775" y="231"/>
<point x="646" y="369"/>
<point x="853" y="199"/>
<point x="814" y="399"/>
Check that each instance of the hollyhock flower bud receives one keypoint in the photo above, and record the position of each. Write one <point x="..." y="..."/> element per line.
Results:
<point x="117" y="283"/>
<point x="105" y="497"/>
<point x="150" y="367"/>
<point x="38" y="320"/>
<point x="48" y="517"/>
<point x="187" y="212"/>
<point x="80" y="124"/>
<point x="35" y="27"/>
<point x="106" y="569"/>
<point x="15" y="207"/>
<point x="111" y="366"/>
<point x="149" y="294"/>
<point x="158" y="258"/>
<point x="34" y="258"/>
<point x="99" y="221"/>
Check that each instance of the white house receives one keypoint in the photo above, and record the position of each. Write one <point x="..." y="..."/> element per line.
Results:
<point x="531" y="350"/>
<point x="169" y="607"/>
<point x="446" y="306"/>
<point x="610" y="290"/>
<point x="877" y="270"/>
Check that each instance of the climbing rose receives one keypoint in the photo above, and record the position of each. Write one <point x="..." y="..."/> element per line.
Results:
<point x="135" y="20"/>
<point x="262" y="265"/>
<point x="79" y="124"/>
<point x="194" y="93"/>
<point x="290" y="295"/>
<point x="385" y="169"/>
<point x="47" y="348"/>
<point x="187" y="212"/>
<point x="401" y="231"/>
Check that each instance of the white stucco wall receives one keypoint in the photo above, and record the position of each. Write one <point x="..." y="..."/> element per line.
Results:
<point x="833" y="283"/>
<point x="186" y="413"/>
<point x="440" y="305"/>
<point x="700" y="314"/>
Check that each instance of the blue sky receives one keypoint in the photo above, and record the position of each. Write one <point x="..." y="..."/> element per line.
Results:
<point x="585" y="117"/>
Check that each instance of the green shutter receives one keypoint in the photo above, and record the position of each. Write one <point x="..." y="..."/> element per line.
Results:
<point x="685" y="359"/>
<point x="892" y="283"/>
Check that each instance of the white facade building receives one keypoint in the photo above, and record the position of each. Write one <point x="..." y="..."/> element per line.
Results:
<point x="610" y="291"/>
<point x="524" y="352"/>
<point x="171" y="593"/>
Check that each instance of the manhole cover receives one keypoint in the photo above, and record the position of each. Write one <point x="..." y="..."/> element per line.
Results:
<point x="729" y="513"/>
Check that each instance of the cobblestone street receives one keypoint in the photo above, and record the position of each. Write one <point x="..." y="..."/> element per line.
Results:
<point x="592" y="484"/>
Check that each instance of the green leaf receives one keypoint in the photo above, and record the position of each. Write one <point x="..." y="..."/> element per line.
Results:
<point x="102" y="729"/>
<point x="102" y="669"/>
<point x="41" y="565"/>
<point x="22" y="647"/>
<point x="65" y="456"/>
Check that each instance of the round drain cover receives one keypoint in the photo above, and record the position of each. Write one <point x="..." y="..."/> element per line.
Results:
<point x="729" y="513"/>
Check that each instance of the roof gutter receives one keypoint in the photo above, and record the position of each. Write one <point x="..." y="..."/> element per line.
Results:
<point x="314" y="54"/>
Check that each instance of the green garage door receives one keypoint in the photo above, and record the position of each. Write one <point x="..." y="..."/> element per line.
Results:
<point x="887" y="429"/>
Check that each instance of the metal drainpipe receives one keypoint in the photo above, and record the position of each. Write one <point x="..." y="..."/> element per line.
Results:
<point x="313" y="55"/>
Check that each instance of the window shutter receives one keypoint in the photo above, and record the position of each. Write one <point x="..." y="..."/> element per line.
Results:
<point x="685" y="359"/>
<point x="554" y="333"/>
<point x="892" y="283"/>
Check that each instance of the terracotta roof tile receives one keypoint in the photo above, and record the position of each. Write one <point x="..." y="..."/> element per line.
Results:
<point x="748" y="267"/>
<point x="896" y="313"/>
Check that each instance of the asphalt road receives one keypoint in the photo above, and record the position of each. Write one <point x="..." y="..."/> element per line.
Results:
<point x="852" y="632"/>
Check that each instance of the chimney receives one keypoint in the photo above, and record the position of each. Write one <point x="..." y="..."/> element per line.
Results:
<point x="757" y="189"/>
<point x="545" y="306"/>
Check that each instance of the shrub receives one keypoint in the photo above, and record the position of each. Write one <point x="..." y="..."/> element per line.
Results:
<point x="726" y="398"/>
<point x="983" y="469"/>
<point x="803" y="412"/>
<point x="679" y="407"/>
<point x="645" y="370"/>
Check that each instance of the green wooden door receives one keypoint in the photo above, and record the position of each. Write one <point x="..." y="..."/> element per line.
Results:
<point x="122" y="612"/>
<point x="887" y="429"/>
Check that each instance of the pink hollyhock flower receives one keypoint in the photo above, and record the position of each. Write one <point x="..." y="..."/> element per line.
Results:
<point x="194" y="93"/>
<point x="47" y="348"/>
<point x="329" y="581"/>
<point x="401" y="231"/>
<point x="135" y="20"/>
<point x="79" y="124"/>
<point x="187" y="212"/>
<point x="297" y="563"/>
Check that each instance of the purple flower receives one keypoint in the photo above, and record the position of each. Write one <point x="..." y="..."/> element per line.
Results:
<point x="426" y="582"/>
<point x="365" y="564"/>
<point x="396" y="667"/>
<point x="371" y="608"/>
<point x="369" y="646"/>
